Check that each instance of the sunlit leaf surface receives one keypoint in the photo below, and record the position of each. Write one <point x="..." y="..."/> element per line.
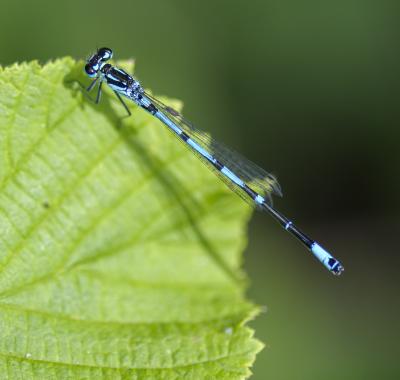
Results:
<point x="119" y="252"/>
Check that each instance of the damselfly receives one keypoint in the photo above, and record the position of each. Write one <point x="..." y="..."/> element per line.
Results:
<point x="247" y="179"/>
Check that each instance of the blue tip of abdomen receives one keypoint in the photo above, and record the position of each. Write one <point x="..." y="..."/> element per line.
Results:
<point x="333" y="265"/>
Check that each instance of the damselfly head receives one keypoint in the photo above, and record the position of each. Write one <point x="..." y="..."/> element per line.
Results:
<point x="94" y="63"/>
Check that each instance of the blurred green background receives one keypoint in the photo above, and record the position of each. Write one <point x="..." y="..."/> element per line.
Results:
<point x="309" y="89"/>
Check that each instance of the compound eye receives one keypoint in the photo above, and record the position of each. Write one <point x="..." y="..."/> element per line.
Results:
<point x="105" y="54"/>
<point x="90" y="71"/>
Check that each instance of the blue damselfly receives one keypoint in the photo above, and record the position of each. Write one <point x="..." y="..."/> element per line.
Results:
<point x="244" y="177"/>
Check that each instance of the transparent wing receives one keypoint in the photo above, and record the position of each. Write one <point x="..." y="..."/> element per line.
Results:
<point x="254" y="176"/>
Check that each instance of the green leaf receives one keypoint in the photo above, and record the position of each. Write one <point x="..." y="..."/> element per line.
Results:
<point x="120" y="252"/>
